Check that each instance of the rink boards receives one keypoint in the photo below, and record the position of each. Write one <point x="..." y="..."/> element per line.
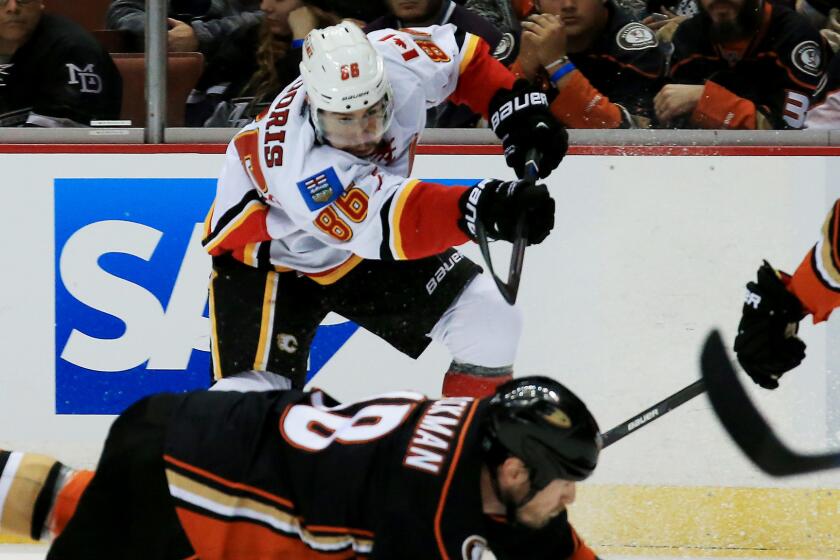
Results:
<point x="104" y="300"/>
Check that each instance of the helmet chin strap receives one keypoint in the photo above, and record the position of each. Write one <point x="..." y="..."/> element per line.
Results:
<point x="511" y="505"/>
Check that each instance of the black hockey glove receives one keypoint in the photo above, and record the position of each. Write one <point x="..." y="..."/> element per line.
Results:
<point x="767" y="345"/>
<point x="498" y="206"/>
<point x="522" y="120"/>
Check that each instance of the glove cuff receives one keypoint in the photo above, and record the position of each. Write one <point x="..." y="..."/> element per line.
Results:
<point x="470" y="204"/>
<point x="775" y="283"/>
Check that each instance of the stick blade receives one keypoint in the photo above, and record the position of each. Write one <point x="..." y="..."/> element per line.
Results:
<point x="745" y="424"/>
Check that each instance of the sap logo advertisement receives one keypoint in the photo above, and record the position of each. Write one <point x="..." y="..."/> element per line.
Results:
<point x="131" y="292"/>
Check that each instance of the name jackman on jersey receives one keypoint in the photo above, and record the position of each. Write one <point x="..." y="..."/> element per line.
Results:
<point x="434" y="433"/>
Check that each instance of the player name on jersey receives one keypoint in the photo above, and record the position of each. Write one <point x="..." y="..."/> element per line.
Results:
<point x="433" y="435"/>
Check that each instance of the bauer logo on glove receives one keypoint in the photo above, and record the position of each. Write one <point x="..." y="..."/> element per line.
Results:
<point x="522" y="120"/>
<point x="498" y="205"/>
<point x="520" y="103"/>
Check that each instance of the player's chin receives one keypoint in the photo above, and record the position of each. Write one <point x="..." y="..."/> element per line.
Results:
<point x="361" y="150"/>
<point x="533" y="521"/>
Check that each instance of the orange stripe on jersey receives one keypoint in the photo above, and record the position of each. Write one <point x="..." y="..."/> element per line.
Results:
<point x="248" y="227"/>
<point x="340" y="530"/>
<point x="335" y="274"/>
<point x="425" y="220"/>
<point x="633" y="67"/>
<point x="817" y="280"/>
<point x="67" y="500"/>
<point x="806" y="284"/>
<point x="581" y="551"/>
<point x="214" y="539"/>
<point x="452" y="467"/>
<point x="481" y="76"/>
<point x="579" y="105"/>
<point x="230" y="484"/>
<point x="688" y="59"/>
<point x="780" y="63"/>
<point x="719" y="108"/>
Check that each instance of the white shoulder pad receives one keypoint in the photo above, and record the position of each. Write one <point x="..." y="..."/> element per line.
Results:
<point x="427" y="58"/>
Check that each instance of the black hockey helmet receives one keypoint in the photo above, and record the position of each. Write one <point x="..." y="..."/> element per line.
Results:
<point x="545" y="425"/>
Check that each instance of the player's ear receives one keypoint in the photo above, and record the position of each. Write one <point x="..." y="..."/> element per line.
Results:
<point x="513" y="471"/>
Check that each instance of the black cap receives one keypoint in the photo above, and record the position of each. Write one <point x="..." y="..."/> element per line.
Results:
<point x="545" y="425"/>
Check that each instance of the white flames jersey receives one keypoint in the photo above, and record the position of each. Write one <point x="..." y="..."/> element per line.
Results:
<point x="285" y="200"/>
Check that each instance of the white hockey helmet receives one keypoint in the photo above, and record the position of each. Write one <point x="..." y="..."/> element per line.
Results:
<point x="343" y="73"/>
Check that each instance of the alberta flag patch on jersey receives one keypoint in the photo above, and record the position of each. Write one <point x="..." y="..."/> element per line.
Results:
<point x="321" y="189"/>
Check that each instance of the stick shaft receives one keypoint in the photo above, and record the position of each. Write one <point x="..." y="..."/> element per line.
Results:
<point x="658" y="410"/>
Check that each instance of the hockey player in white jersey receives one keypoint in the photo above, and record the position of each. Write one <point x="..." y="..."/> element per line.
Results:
<point x="315" y="212"/>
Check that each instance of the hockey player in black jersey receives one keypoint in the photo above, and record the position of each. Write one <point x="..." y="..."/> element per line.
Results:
<point x="292" y="474"/>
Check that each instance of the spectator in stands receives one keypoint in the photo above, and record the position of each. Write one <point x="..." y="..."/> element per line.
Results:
<point x="742" y="64"/>
<point x="503" y="15"/>
<point x="194" y="25"/>
<point x="664" y="16"/>
<point x="600" y="68"/>
<point x="362" y="12"/>
<point x="422" y="13"/>
<point x="250" y="68"/>
<point x="53" y="73"/>
<point x="825" y="16"/>
<point x="825" y="109"/>
<point x="258" y="60"/>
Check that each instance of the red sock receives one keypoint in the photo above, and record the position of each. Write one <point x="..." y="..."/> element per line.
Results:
<point x="460" y="384"/>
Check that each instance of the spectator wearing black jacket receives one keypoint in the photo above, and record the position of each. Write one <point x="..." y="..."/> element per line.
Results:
<point x="600" y="68"/>
<point x="742" y="64"/>
<point x="53" y="73"/>
<point x="194" y="25"/>
<point x="250" y="68"/>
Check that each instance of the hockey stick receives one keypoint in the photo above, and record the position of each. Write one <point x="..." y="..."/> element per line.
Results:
<point x="510" y="289"/>
<point x="648" y="415"/>
<point x="744" y="422"/>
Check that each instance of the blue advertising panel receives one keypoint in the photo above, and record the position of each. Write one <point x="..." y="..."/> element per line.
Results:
<point x="131" y="292"/>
